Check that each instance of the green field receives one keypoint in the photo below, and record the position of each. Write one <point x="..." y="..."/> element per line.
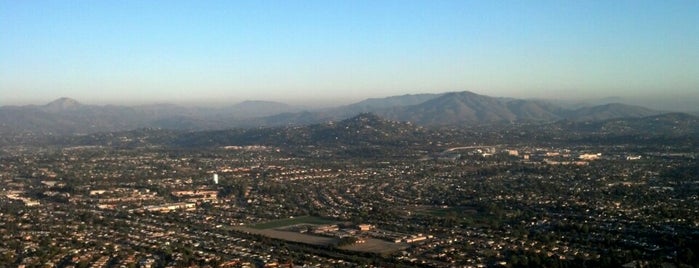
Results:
<point x="292" y="221"/>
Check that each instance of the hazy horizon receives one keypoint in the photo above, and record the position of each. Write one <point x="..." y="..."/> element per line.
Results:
<point x="329" y="53"/>
<point x="686" y="103"/>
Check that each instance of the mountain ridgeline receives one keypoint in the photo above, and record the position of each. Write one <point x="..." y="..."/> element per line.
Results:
<point x="67" y="116"/>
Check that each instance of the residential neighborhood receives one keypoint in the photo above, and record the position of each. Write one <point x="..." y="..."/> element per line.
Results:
<point x="264" y="206"/>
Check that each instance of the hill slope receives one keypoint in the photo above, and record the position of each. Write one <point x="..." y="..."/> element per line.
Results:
<point x="363" y="130"/>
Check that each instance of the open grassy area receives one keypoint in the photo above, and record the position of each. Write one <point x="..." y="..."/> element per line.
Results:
<point x="292" y="221"/>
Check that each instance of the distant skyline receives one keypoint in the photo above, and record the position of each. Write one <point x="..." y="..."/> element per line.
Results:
<point x="338" y="52"/>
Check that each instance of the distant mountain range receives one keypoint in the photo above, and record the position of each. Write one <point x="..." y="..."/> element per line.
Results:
<point x="667" y="125"/>
<point x="68" y="116"/>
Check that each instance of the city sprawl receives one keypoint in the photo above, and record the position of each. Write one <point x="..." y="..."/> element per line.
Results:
<point x="442" y="198"/>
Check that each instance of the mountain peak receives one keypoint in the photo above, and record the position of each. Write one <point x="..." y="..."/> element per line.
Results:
<point x="62" y="104"/>
<point x="462" y="93"/>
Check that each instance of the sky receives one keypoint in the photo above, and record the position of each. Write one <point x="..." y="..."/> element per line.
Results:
<point x="303" y="52"/>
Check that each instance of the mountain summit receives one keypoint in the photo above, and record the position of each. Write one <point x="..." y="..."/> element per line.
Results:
<point x="61" y="104"/>
<point x="468" y="107"/>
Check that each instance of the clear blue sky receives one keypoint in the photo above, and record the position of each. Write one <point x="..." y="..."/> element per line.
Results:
<point x="304" y="51"/>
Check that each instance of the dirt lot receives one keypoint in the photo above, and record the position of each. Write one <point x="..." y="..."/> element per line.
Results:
<point x="291" y="221"/>
<point x="374" y="245"/>
<point x="291" y="236"/>
<point x="275" y="230"/>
